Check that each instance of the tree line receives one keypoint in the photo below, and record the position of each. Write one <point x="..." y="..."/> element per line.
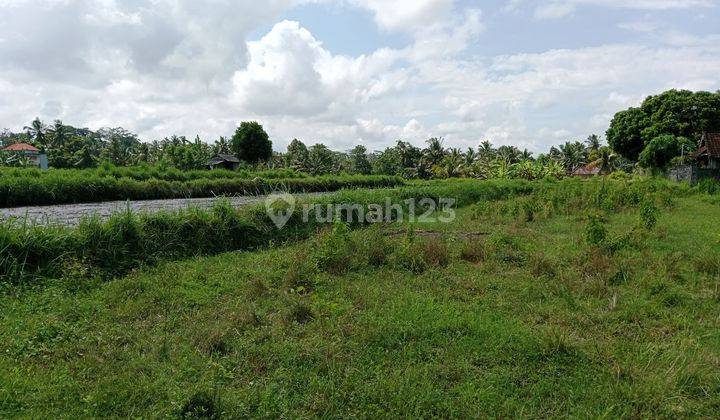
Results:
<point x="661" y="132"/>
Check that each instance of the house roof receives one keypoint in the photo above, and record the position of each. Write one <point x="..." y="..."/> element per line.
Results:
<point x="712" y="143"/>
<point x="21" y="147"/>
<point x="223" y="158"/>
<point x="587" y="170"/>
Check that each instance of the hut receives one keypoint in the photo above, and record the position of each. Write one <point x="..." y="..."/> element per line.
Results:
<point x="708" y="154"/>
<point x="29" y="152"/>
<point x="223" y="161"/>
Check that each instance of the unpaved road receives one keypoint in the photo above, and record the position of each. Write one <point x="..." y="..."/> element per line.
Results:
<point x="70" y="214"/>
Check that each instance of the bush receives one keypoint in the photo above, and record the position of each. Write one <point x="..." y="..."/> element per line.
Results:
<point x="648" y="214"/>
<point x="595" y="230"/>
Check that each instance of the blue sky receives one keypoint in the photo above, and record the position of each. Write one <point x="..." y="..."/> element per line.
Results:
<point x="344" y="72"/>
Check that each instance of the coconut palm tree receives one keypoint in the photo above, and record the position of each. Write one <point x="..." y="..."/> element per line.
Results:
<point x="452" y="164"/>
<point x="607" y="160"/>
<point x="435" y="152"/>
<point x="37" y="131"/>
<point x="593" y="143"/>
<point x="573" y="155"/>
<point x="510" y="154"/>
<point x="486" y="151"/>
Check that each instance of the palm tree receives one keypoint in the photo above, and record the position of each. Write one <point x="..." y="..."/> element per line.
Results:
<point x="486" y="151"/>
<point x="607" y="160"/>
<point x="36" y="131"/>
<point x="573" y="155"/>
<point x="59" y="134"/>
<point x="593" y="143"/>
<point x="510" y="154"/>
<point x="221" y="146"/>
<point x="435" y="151"/>
<point x="452" y="163"/>
<point x="526" y="155"/>
<point x="470" y="157"/>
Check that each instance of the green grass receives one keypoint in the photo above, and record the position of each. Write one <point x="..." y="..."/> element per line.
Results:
<point x="82" y="186"/>
<point x="126" y="241"/>
<point x="496" y="314"/>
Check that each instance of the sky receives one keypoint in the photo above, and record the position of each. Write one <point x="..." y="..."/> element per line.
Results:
<point x="528" y="73"/>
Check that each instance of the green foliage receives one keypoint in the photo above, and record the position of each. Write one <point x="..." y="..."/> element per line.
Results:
<point x="251" y="143"/>
<point x="297" y="155"/>
<point x="648" y="213"/>
<point x="574" y="332"/>
<point x="678" y="113"/>
<point x="24" y="187"/>
<point x="359" y="162"/>
<point x="595" y="230"/>
<point x="661" y="151"/>
<point x="320" y="160"/>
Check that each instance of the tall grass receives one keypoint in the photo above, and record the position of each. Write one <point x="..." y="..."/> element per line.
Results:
<point x="127" y="240"/>
<point x="146" y="172"/>
<point x="70" y="187"/>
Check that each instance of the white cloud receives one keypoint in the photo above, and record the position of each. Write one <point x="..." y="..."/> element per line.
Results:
<point x="407" y="14"/>
<point x="555" y="9"/>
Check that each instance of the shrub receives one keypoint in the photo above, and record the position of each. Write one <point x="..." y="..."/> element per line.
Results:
<point x="473" y="251"/>
<point x="332" y="250"/>
<point x="435" y="252"/>
<point x="648" y="214"/>
<point x="201" y="405"/>
<point x="595" y="230"/>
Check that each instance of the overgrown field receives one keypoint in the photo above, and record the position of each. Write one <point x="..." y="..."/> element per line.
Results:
<point x="581" y="299"/>
<point x="127" y="240"/>
<point x="27" y="187"/>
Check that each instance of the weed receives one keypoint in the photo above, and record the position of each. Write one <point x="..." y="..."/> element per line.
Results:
<point x="541" y="265"/>
<point x="648" y="214"/>
<point x="299" y="312"/>
<point x="435" y="252"/>
<point x="473" y="251"/>
<point x="201" y="405"/>
<point x="595" y="230"/>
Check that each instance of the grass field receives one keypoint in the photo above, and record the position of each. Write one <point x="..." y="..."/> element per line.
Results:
<point x="31" y="187"/>
<point x="520" y="307"/>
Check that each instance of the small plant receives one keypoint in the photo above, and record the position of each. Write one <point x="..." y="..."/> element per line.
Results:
<point x="648" y="214"/>
<point x="542" y="266"/>
<point x="435" y="252"/>
<point x="408" y="255"/>
<point x="332" y="251"/>
<point x="473" y="251"/>
<point x="299" y="312"/>
<point x="595" y="230"/>
<point x="201" y="405"/>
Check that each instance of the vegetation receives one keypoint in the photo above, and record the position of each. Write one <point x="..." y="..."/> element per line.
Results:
<point x="128" y="240"/>
<point x="677" y="113"/>
<point x="523" y="306"/>
<point x="91" y="186"/>
<point x="251" y="144"/>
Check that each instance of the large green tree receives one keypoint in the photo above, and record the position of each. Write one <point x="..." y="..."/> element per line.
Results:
<point x="251" y="143"/>
<point x="320" y="160"/>
<point x="661" y="150"/>
<point x="297" y="155"/>
<point x="679" y="113"/>
<point x="359" y="163"/>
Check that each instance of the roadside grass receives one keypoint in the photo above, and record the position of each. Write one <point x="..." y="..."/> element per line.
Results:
<point x="524" y="317"/>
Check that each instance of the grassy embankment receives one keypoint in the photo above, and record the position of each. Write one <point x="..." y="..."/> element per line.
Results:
<point x="27" y="187"/>
<point x="127" y="240"/>
<point x="521" y="307"/>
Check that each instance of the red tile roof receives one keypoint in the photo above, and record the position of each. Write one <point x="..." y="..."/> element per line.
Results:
<point x="586" y="170"/>
<point x="712" y="143"/>
<point x="21" y="147"/>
